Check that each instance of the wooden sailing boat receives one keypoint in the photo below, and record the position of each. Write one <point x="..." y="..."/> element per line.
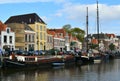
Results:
<point x="97" y="59"/>
<point x="88" y="57"/>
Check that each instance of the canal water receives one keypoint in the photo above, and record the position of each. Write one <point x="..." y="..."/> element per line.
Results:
<point x="107" y="71"/>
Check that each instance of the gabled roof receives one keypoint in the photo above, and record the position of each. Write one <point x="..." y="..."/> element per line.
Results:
<point x="58" y="31"/>
<point x="55" y="32"/>
<point x="25" y="18"/>
<point x="28" y="27"/>
<point x="2" y="26"/>
<point x="110" y="35"/>
<point x="94" y="41"/>
<point x="51" y="32"/>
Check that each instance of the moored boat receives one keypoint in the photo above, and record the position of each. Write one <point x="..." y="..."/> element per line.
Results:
<point x="21" y="61"/>
<point x="62" y="60"/>
<point x="97" y="57"/>
<point x="85" y="58"/>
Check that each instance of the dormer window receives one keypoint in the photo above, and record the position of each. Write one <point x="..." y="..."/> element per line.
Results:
<point x="30" y="20"/>
<point x="59" y="34"/>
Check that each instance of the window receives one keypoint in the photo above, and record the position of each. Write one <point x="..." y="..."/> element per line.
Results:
<point x="29" y="38"/>
<point x="51" y="39"/>
<point x="32" y="46"/>
<point x="37" y="27"/>
<point x="60" y="34"/>
<point x="5" y="39"/>
<point x="37" y="35"/>
<point x="25" y="37"/>
<point x="44" y="28"/>
<point x="44" y="36"/>
<point x="8" y="30"/>
<point x="10" y="39"/>
<point x="33" y="38"/>
<point x="30" y="20"/>
<point x="40" y="28"/>
<point x="40" y="35"/>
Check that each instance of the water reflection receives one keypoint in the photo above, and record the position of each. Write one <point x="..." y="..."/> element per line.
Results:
<point x="108" y="71"/>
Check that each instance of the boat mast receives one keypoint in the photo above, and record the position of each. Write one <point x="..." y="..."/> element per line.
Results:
<point x="98" y="24"/>
<point x="87" y="28"/>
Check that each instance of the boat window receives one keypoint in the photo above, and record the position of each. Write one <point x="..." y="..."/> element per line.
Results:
<point x="29" y="59"/>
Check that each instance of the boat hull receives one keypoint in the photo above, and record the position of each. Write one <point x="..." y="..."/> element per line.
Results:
<point x="67" y="60"/>
<point x="42" y="62"/>
<point x="17" y="64"/>
<point x="81" y="60"/>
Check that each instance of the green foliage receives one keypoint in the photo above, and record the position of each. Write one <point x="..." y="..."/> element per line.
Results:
<point x="72" y="43"/>
<point x="67" y="28"/>
<point x="93" y="46"/>
<point x="77" y="32"/>
<point x="52" y="51"/>
<point x="112" y="46"/>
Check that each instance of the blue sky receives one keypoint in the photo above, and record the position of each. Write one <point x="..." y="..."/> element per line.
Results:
<point x="57" y="13"/>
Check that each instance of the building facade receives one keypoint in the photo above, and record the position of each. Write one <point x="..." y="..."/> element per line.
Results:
<point x="7" y="38"/>
<point x="37" y="24"/>
<point x="41" y="35"/>
<point x="49" y="44"/>
<point x="24" y="36"/>
<point x="58" y="38"/>
<point x="29" y="39"/>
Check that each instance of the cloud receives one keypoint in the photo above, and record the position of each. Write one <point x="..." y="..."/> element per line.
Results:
<point x="29" y="1"/>
<point x="58" y="14"/>
<point x="78" y="12"/>
<point x="110" y="12"/>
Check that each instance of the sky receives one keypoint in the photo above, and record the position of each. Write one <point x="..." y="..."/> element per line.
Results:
<point x="57" y="13"/>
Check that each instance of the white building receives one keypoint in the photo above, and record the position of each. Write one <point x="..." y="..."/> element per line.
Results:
<point x="7" y="39"/>
<point x="29" y="40"/>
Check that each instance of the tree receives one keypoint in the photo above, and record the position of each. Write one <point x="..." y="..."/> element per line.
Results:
<point x="77" y="32"/>
<point x="112" y="47"/>
<point x="67" y="28"/>
<point x="93" y="46"/>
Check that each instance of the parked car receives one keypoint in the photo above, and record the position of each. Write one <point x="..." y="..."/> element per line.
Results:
<point x="19" y="52"/>
<point x="39" y="52"/>
<point x="30" y="52"/>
